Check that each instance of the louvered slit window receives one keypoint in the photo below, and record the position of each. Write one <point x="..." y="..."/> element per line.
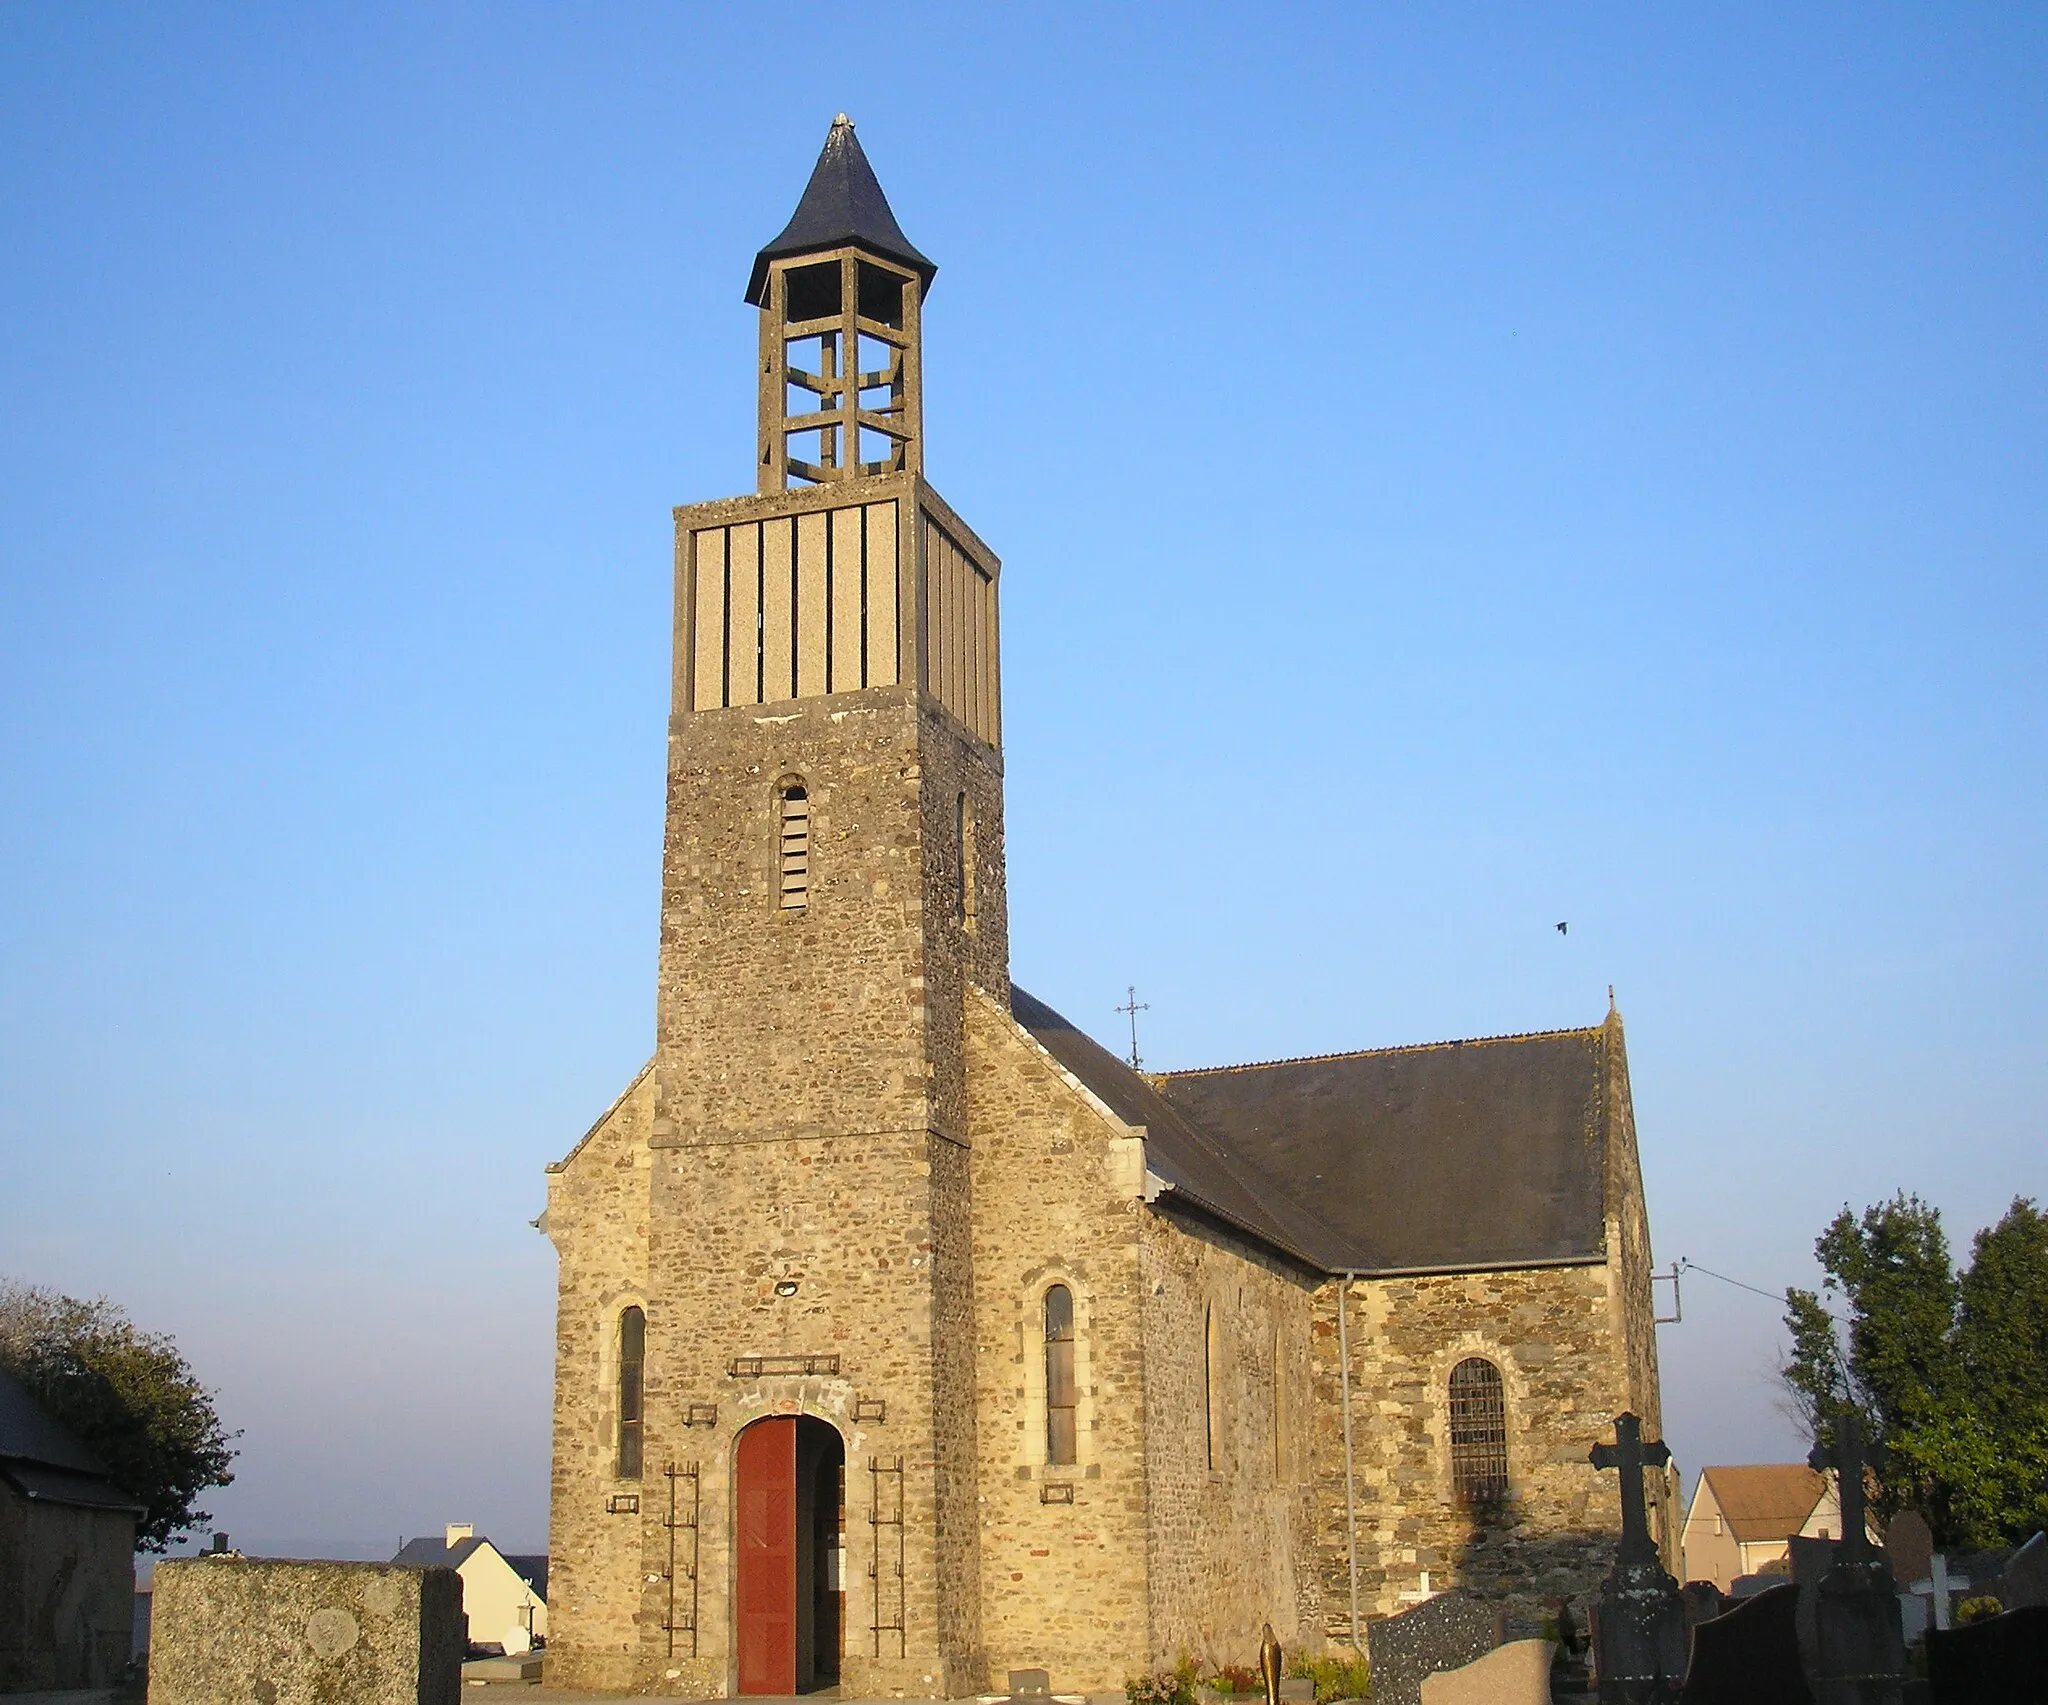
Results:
<point x="795" y="825"/>
<point x="1059" y="1375"/>
<point x="1479" y="1433"/>
<point x="632" y="1385"/>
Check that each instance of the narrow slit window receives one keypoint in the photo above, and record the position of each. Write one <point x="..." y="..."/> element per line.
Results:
<point x="795" y="855"/>
<point x="1281" y="1442"/>
<point x="632" y="1390"/>
<point x="1059" y="1375"/>
<point x="963" y="840"/>
<point x="1479" y="1433"/>
<point x="1212" y="1412"/>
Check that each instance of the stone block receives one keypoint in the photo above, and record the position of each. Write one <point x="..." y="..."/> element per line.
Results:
<point x="237" y="1630"/>
<point x="1446" y="1632"/>
<point x="2025" y="1581"/>
<point x="1515" y="1674"/>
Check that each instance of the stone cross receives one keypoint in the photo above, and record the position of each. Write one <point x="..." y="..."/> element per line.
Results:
<point x="1629" y="1454"/>
<point x="1848" y="1459"/>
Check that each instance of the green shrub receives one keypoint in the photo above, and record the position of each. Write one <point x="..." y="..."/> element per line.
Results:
<point x="1335" y="1677"/>
<point x="1174" y="1686"/>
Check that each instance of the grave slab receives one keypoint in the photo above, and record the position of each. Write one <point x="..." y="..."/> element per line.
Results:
<point x="2000" y="1661"/>
<point x="1445" y="1632"/>
<point x="264" y="1631"/>
<point x="1750" y="1656"/>
<point x="2025" y="1581"/>
<point x="1515" y="1674"/>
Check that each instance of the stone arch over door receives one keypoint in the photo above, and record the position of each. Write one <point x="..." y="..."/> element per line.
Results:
<point x="789" y="1477"/>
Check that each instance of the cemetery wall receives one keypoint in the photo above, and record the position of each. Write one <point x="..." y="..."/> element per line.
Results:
<point x="1551" y="1333"/>
<point x="597" y="1219"/>
<point x="1057" y="1200"/>
<point x="1229" y="1542"/>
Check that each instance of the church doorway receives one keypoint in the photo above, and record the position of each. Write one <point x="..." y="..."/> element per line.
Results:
<point x="789" y="1594"/>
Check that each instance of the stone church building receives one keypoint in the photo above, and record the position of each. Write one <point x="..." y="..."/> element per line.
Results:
<point x="907" y="1336"/>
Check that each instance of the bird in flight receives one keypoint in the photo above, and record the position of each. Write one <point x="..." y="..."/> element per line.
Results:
<point x="1564" y="929"/>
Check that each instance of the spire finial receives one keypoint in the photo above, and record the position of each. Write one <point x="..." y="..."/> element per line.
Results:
<point x="839" y="119"/>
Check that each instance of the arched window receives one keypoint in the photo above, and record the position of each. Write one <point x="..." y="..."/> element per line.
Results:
<point x="1479" y="1433"/>
<point x="963" y="845"/>
<point x="794" y="819"/>
<point x="632" y="1390"/>
<point x="1212" y="1386"/>
<point x="1059" y="1374"/>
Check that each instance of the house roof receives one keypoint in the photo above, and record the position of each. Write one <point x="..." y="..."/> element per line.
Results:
<point x="1769" y="1500"/>
<point x="42" y="1459"/>
<point x="1454" y="1155"/>
<point x="436" y="1554"/>
<point x="842" y="204"/>
<point x="429" y="1553"/>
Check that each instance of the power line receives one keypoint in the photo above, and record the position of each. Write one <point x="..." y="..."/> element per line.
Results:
<point x="1686" y="1264"/>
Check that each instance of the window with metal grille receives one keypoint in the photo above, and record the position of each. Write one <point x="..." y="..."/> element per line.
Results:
<point x="1059" y="1374"/>
<point x="1479" y="1433"/>
<point x="632" y="1385"/>
<point x="795" y="827"/>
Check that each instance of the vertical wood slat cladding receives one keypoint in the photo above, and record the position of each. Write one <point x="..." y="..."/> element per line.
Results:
<point x="810" y="605"/>
<point x="795" y="607"/>
<point x="843" y="664"/>
<point x="960" y="666"/>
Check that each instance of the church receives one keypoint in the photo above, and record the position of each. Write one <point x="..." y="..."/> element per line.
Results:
<point x="906" y="1336"/>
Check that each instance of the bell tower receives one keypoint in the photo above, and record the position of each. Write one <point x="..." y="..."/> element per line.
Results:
<point x="832" y="882"/>
<point x="841" y="365"/>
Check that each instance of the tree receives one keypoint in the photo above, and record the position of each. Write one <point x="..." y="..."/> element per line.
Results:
<point x="128" y="1395"/>
<point x="1948" y="1370"/>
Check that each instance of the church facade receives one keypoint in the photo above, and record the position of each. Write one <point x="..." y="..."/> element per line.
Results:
<point x="905" y="1335"/>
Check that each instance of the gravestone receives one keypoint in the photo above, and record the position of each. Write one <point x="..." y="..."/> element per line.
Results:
<point x="2025" y="1581"/>
<point x="1859" y="1645"/>
<point x="1515" y="1674"/>
<point x="1909" y="1543"/>
<point x="1639" y="1635"/>
<point x="1030" y="1684"/>
<point x="1750" y="1656"/>
<point x="235" y="1630"/>
<point x="1445" y="1632"/>
<point x="2002" y="1660"/>
<point x="1703" y="1602"/>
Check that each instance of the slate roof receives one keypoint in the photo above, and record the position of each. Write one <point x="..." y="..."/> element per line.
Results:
<point x="1452" y="1156"/>
<point x="1183" y="1156"/>
<point x="1455" y="1155"/>
<point x="43" y="1460"/>
<point x="438" y="1554"/>
<point x="1769" y="1500"/>
<point x="843" y="203"/>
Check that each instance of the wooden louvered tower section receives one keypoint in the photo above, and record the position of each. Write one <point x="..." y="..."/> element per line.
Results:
<point x="841" y="392"/>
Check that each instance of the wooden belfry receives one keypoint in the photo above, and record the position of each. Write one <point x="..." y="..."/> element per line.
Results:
<point x="839" y="292"/>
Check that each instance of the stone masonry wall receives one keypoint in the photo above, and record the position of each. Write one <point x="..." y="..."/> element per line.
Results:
<point x="597" y="1219"/>
<point x="1057" y="1200"/>
<point x="228" y="1630"/>
<point x="1229" y="1546"/>
<point x="1629" y="1256"/>
<point x="1550" y="1332"/>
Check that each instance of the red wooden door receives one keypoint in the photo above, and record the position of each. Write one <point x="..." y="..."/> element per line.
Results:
<point x="765" y="1579"/>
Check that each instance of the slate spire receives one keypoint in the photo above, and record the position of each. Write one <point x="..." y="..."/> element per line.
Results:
<point x="842" y="204"/>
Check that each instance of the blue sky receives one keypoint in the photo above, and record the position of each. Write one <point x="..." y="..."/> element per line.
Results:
<point x="1456" y="468"/>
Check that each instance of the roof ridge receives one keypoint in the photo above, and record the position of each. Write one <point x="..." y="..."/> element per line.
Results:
<point x="1372" y="1053"/>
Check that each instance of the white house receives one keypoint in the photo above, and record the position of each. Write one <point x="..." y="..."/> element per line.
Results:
<point x="1743" y="1519"/>
<point x="504" y="1599"/>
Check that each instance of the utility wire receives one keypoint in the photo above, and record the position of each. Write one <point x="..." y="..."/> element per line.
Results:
<point x="1686" y="1265"/>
